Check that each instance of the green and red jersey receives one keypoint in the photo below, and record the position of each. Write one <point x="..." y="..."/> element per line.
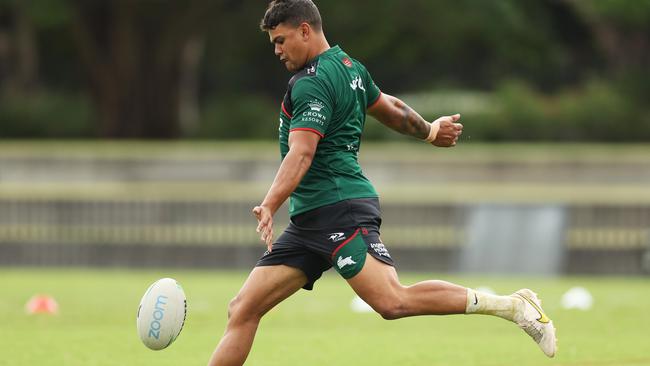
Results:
<point x="329" y="97"/>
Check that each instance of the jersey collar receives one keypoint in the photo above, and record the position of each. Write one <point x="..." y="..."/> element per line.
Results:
<point x="330" y="51"/>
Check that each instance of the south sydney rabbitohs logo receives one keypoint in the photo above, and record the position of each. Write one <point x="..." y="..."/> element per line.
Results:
<point x="342" y="262"/>
<point x="334" y="237"/>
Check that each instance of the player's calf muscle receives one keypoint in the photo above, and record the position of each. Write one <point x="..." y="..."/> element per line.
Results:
<point x="436" y="297"/>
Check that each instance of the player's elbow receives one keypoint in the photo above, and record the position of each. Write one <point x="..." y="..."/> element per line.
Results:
<point x="307" y="155"/>
<point x="304" y="155"/>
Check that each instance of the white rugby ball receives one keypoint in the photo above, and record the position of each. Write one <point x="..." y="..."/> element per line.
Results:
<point x="161" y="314"/>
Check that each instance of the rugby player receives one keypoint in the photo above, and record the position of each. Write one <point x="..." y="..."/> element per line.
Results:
<point x="334" y="209"/>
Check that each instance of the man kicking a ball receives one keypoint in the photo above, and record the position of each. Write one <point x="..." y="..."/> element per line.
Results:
<point x="334" y="209"/>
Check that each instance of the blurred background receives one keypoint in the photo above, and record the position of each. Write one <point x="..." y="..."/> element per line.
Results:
<point x="141" y="133"/>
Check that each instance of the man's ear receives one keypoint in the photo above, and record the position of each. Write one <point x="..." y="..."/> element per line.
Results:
<point x="305" y="31"/>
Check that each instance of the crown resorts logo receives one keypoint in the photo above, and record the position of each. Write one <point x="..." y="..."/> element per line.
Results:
<point x="316" y="105"/>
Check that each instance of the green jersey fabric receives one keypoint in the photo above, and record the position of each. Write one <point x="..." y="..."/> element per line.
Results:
<point x="329" y="97"/>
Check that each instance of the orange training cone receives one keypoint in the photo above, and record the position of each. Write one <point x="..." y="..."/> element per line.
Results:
<point x="43" y="304"/>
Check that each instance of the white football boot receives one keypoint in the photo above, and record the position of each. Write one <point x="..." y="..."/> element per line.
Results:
<point x="532" y="319"/>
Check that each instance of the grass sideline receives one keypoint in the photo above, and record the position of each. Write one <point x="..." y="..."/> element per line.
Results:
<point x="96" y="324"/>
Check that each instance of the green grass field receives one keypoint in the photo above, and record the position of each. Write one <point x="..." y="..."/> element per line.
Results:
<point x="96" y="324"/>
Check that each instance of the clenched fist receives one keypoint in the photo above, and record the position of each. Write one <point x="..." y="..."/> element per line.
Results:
<point x="448" y="131"/>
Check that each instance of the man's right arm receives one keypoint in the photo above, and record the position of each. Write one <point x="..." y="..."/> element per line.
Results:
<point x="397" y="115"/>
<point x="302" y="147"/>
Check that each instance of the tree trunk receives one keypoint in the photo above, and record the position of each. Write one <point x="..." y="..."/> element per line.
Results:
<point x="189" y="85"/>
<point x="18" y="52"/>
<point x="133" y="55"/>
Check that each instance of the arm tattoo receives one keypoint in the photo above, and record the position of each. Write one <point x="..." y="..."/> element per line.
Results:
<point x="412" y="124"/>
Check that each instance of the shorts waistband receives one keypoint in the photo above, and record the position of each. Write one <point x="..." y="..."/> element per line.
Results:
<point x="346" y="213"/>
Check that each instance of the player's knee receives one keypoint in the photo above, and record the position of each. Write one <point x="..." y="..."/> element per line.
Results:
<point x="232" y="306"/>
<point x="238" y="311"/>
<point x="390" y="309"/>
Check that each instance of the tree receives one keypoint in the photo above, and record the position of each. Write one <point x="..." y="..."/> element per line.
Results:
<point x="134" y="53"/>
<point x="621" y="28"/>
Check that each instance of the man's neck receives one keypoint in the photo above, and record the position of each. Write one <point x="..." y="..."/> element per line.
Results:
<point x="319" y="47"/>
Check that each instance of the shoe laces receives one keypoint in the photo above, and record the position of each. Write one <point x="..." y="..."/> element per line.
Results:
<point x="532" y="330"/>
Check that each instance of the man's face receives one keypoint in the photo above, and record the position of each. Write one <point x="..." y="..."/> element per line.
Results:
<point x="291" y="45"/>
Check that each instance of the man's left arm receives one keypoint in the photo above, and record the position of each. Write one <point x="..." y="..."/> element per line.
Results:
<point x="397" y="115"/>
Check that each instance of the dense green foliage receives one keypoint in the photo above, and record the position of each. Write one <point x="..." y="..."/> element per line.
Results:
<point x="96" y="325"/>
<point x="548" y="70"/>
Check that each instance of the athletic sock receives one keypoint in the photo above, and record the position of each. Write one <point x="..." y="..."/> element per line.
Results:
<point x="505" y="307"/>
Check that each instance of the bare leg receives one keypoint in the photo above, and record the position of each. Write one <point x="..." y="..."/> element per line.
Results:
<point x="265" y="287"/>
<point x="378" y="285"/>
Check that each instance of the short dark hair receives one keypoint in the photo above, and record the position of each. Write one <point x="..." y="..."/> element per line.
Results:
<point x="294" y="12"/>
